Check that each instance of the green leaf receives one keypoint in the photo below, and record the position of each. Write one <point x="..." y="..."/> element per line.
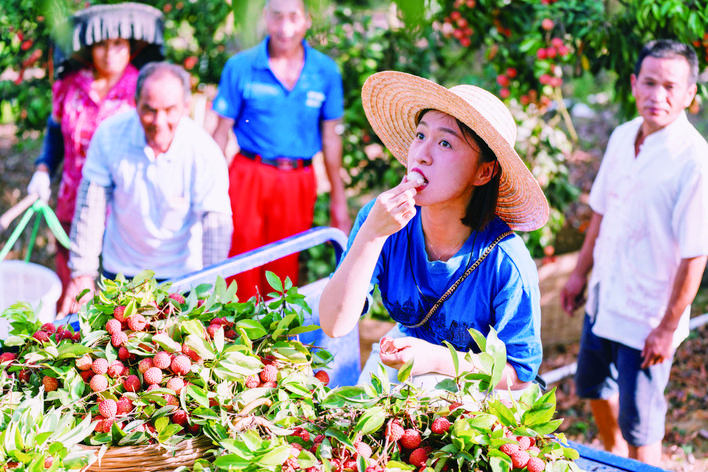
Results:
<point x="405" y="371"/>
<point x="198" y="395"/>
<point x="161" y="423"/>
<point x="252" y="328"/>
<point x="274" y="281"/>
<point x="371" y="420"/>
<point x="479" y="339"/>
<point x="547" y="428"/>
<point x="341" y="396"/>
<point x="275" y="456"/>
<point x="169" y="431"/>
<point x="231" y="462"/>
<point x="339" y="436"/>
<point x="497" y="349"/>
<point x="571" y="453"/>
<point x="455" y="359"/>
<point x="505" y="415"/>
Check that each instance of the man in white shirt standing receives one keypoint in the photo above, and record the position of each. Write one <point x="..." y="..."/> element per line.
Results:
<point x="647" y="247"/>
<point x="164" y="182"/>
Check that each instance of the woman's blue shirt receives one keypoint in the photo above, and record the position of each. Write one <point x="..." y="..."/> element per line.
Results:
<point x="503" y="292"/>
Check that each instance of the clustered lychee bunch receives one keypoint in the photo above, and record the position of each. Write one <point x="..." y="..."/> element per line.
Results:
<point x="426" y="433"/>
<point x="141" y="365"/>
<point x="154" y="366"/>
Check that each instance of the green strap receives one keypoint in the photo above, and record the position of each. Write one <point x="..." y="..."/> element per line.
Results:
<point x="53" y="223"/>
<point x="44" y="210"/>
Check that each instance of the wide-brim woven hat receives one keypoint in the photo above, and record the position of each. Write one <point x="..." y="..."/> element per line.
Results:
<point x="141" y="24"/>
<point x="392" y="101"/>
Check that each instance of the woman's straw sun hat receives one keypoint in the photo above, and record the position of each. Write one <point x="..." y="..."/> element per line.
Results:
<point x="392" y="101"/>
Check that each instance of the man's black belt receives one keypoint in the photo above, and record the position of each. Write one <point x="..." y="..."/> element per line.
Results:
<point x="284" y="163"/>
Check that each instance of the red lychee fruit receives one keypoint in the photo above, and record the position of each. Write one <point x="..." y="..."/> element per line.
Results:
<point x="99" y="423"/>
<point x="175" y="384"/>
<point x="41" y="336"/>
<point x="108" y="408"/>
<point x="119" y="313"/>
<point x="86" y="375"/>
<point x="509" y="448"/>
<point x="162" y="360"/>
<point x="98" y="383"/>
<point x="50" y="383"/>
<point x="49" y="328"/>
<point x="252" y="381"/>
<point x="180" y="417"/>
<point x="181" y="365"/>
<point x="230" y="333"/>
<point x="171" y="400"/>
<point x="524" y="442"/>
<point x="24" y="375"/>
<point x="363" y="449"/>
<point x="212" y="329"/>
<point x="519" y="459"/>
<point x="189" y="352"/>
<point x="137" y="322"/>
<point x="322" y="376"/>
<point x="123" y="353"/>
<point x="7" y="357"/>
<point x="153" y="376"/>
<point x="394" y="431"/>
<point x="411" y="439"/>
<point x="440" y="425"/>
<point x="177" y="297"/>
<point x="269" y="373"/>
<point x="108" y="425"/>
<point x="99" y="366"/>
<point x="192" y="429"/>
<point x="125" y="405"/>
<point x="115" y="370"/>
<point x="144" y="365"/>
<point x="535" y="464"/>
<point x="131" y="383"/>
<point x="119" y="339"/>
<point x="113" y="326"/>
<point x="418" y="457"/>
<point x="48" y="461"/>
<point x="269" y="384"/>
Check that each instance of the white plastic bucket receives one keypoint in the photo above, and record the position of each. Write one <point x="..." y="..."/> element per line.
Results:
<point x="35" y="284"/>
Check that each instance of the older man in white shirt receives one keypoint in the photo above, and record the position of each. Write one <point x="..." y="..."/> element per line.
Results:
<point x="164" y="182"/>
<point x="647" y="248"/>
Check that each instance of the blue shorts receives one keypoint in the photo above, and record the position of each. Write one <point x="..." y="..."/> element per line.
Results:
<point x="606" y="368"/>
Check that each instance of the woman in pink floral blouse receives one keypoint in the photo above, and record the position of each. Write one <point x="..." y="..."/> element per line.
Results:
<point x="96" y="80"/>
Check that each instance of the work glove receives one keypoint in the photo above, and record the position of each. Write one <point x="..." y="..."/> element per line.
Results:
<point x="40" y="184"/>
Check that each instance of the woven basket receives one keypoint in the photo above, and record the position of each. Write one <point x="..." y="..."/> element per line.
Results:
<point x="150" y="458"/>
<point x="557" y="327"/>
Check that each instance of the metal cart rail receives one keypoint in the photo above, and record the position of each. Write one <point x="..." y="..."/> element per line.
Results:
<point x="346" y="366"/>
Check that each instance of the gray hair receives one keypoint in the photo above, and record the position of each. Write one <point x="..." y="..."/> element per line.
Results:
<point x="669" y="49"/>
<point x="152" y="68"/>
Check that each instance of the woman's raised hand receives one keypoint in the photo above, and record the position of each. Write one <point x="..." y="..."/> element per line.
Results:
<point x="393" y="209"/>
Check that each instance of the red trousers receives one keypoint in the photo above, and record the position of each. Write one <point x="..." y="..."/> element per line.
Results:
<point x="268" y="204"/>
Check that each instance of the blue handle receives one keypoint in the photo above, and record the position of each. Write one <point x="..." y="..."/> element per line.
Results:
<point x="263" y="255"/>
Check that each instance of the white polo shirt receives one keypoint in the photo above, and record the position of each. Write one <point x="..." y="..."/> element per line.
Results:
<point x="655" y="213"/>
<point x="156" y="205"/>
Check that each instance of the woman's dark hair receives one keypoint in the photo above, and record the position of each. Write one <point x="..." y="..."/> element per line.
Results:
<point x="481" y="209"/>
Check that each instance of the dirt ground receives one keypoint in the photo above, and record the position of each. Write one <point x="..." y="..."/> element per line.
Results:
<point x="686" y="441"/>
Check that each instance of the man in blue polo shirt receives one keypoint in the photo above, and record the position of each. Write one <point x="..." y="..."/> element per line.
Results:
<point x="284" y="102"/>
